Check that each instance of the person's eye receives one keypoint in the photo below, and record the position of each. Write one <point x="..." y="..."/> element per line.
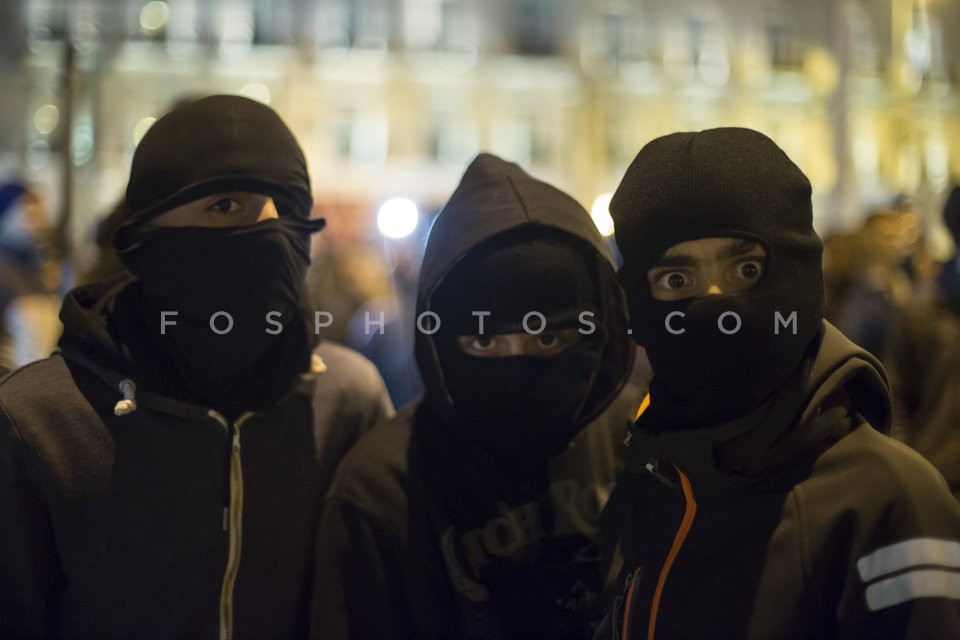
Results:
<point x="672" y="280"/>
<point x="750" y="269"/>
<point x="481" y="342"/>
<point x="552" y="342"/>
<point x="224" y="205"/>
<point x="481" y="345"/>
<point x="549" y="343"/>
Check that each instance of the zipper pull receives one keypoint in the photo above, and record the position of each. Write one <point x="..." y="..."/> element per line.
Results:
<point x="653" y="469"/>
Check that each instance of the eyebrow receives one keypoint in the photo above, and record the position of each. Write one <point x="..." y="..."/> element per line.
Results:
<point x="740" y="248"/>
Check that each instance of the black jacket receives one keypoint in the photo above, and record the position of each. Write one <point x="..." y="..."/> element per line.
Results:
<point x="387" y="568"/>
<point x="800" y="520"/>
<point x="161" y="519"/>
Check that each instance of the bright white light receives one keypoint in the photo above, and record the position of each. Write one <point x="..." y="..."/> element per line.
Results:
<point x="141" y="127"/>
<point x="600" y="212"/>
<point x="256" y="91"/>
<point x="154" y="15"/>
<point x="398" y="217"/>
<point x="46" y="118"/>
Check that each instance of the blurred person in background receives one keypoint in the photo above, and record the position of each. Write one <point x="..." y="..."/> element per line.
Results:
<point x="29" y="278"/>
<point x="923" y="358"/>
<point x="474" y="513"/>
<point x="877" y="282"/>
<point x="761" y="499"/>
<point x="161" y="476"/>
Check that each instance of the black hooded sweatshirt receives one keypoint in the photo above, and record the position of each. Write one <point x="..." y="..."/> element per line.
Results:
<point x="126" y="514"/>
<point x="390" y="564"/>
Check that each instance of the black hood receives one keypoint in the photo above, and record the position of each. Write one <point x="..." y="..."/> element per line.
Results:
<point x="495" y="198"/>
<point x="87" y="334"/>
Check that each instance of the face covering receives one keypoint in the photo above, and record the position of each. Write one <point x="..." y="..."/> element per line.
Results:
<point x="523" y="405"/>
<point x="705" y="375"/>
<point x="726" y="182"/>
<point x="253" y="273"/>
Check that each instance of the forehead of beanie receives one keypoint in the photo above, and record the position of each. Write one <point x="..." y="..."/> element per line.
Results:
<point x="512" y="276"/>
<point x="217" y="144"/>
<point x="713" y="183"/>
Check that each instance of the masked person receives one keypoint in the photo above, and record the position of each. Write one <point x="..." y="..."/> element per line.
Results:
<point x="474" y="514"/>
<point x="161" y="476"/>
<point x="762" y="499"/>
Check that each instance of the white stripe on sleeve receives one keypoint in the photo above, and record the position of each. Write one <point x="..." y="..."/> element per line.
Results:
<point x="909" y="553"/>
<point x="927" y="583"/>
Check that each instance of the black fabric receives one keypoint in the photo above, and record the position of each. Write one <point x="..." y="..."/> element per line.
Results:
<point x="727" y="182"/>
<point x="215" y="144"/>
<point x="199" y="273"/>
<point x="532" y="271"/>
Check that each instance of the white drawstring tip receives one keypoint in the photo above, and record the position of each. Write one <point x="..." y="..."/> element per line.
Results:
<point x="129" y="402"/>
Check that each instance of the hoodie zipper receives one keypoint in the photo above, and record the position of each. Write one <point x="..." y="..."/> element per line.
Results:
<point x="232" y="522"/>
<point x="690" y="511"/>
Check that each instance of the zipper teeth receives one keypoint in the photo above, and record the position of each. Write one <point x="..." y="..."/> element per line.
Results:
<point x="235" y="527"/>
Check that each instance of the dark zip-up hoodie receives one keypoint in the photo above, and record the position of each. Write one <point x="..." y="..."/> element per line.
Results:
<point x="127" y="514"/>
<point x="799" y="520"/>
<point x="387" y="567"/>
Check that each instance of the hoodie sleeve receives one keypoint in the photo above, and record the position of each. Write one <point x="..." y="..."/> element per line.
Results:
<point x="902" y="538"/>
<point x="351" y="397"/>
<point x="28" y="559"/>
<point x="352" y="596"/>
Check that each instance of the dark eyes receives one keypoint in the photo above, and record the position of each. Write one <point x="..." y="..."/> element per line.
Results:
<point x="750" y="270"/>
<point x="482" y="342"/>
<point x="547" y="339"/>
<point x="547" y="343"/>
<point x="224" y="205"/>
<point x="675" y="280"/>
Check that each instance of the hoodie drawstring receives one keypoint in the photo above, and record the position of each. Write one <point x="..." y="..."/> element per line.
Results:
<point x="129" y="402"/>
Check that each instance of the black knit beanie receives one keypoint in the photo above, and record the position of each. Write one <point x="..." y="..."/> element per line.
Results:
<point x="219" y="143"/>
<point x="728" y="182"/>
<point x="713" y="183"/>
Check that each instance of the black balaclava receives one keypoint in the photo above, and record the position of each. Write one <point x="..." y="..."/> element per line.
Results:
<point x="518" y="406"/>
<point x="728" y="182"/>
<point x="253" y="273"/>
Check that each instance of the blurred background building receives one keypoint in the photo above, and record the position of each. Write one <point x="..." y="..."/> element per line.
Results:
<point x="392" y="98"/>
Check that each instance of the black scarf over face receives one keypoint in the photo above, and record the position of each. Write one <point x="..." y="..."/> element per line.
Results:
<point x="250" y="275"/>
<point x="523" y="406"/>
<point x="727" y="182"/>
<point x="239" y="332"/>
